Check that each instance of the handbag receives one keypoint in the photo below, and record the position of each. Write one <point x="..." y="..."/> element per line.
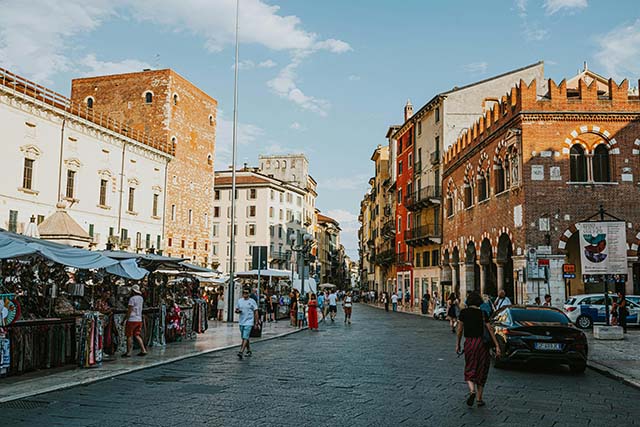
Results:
<point x="486" y="335"/>
<point x="256" y="330"/>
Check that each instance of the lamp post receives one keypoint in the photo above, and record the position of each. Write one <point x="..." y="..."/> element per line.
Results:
<point x="304" y="249"/>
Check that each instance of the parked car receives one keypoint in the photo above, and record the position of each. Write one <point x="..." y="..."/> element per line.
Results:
<point x="589" y="309"/>
<point x="535" y="333"/>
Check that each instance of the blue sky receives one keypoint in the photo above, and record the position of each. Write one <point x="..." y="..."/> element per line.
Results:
<point x="324" y="78"/>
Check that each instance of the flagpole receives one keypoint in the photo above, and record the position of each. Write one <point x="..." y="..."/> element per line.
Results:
<point x="232" y="249"/>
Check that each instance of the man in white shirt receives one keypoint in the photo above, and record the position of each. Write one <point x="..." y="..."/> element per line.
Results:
<point x="502" y="300"/>
<point x="333" y="305"/>
<point x="248" y="310"/>
<point x="133" y="319"/>
<point x="394" y="301"/>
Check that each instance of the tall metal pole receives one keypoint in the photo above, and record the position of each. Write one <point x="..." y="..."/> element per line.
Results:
<point x="232" y="249"/>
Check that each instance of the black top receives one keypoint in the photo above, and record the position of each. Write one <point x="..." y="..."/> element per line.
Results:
<point x="473" y="320"/>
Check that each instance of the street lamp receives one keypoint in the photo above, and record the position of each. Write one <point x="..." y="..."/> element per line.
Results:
<point x="304" y="249"/>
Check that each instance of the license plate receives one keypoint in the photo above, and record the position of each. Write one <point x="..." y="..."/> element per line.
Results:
<point x="548" y="346"/>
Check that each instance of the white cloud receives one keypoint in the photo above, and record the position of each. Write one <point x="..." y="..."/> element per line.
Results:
<point x="297" y="126"/>
<point x="342" y="216"/>
<point x="91" y="66"/>
<point x="534" y="33"/>
<point x="247" y="134"/>
<point x="476" y="67"/>
<point x="244" y="65"/>
<point x="356" y="182"/>
<point x="619" y="51"/>
<point x="333" y="45"/>
<point x="349" y="225"/>
<point x="354" y="77"/>
<point x="554" y="6"/>
<point x="267" y="64"/>
<point x="284" y="85"/>
<point x="34" y="34"/>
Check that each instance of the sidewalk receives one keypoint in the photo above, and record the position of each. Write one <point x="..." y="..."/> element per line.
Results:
<point x="616" y="359"/>
<point x="219" y="336"/>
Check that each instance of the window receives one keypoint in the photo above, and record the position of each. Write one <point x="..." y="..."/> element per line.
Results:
<point x="173" y="212"/>
<point x="182" y="243"/>
<point x="252" y="211"/>
<point x="206" y="220"/>
<point x="148" y="97"/>
<point x="158" y="241"/>
<point x="399" y="224"/>
<point x="251" y="230"/>
<point x="289" y="197"/>
<point x="214" y="249"/>
<point x="190" y="216"/>
<point x="272" y="194"/>
<point x="216" y="211"/>
<point x="210" y="120"/>
<point x="437" y="114"/>
<point x="214" y="230"/>
<point x="13" y="221"/>
<point x="138" y="240"/>
<point x="281" y="215"/>
<point x="468" y="196"/>
<point x="103" y="192"/>
<point x="419" y="127"/>
<point x="89" y="102"/>
<point x="169" y="241"/>
<point x="71" y="178"/>
<point x="132" y="195"/>
<point x="91" y="229"/>
<point x="216" y="195"/>
<point x="578" y="164"/>
<point x="27" y="175"/>
<point x="400" y="167"/>
<point x="40" y="219"/>
<point x="437" y="144"/>
<point x="426" y="261"/>
<point x="155" y="205"/>
<point x="499" y="178"/>
<point x="195" y="245"/>
<point x="124" y="234"/>
<point x="417" y="262"/>
<point x="253" y="194"/>
<point x="271" y="212"/>
<point x="410" y="160"/>
<point x="284" y="164"/>
<point x="435" y="258"/>
<point x="175" y="99"/>
<point x="600" y="165"/>
<point x="450" y="205"/>
<point x="399" y="196"/>
<point x="482" y="188"/>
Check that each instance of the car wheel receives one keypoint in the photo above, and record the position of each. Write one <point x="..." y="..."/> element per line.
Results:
<point x="584" y="322"/>
<point x="578" y="368"/>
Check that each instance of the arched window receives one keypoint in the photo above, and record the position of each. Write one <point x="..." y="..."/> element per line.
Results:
<point x="468" y="195"/>
<point x="601" y="170"/>
<point x="450" y="205"/>
<point x="209" y="160"/>
<point x="507" y="173"/>
<point x="90" y="102"/>
<point x="578" y="163"/>
<point x="148" y="97"/>
<point x="482" y="188"/>
<point x="175" y="99"/>
<point x="284" y="164"/>
<point x="499" y="178"/>
<point x="210" y="120"/>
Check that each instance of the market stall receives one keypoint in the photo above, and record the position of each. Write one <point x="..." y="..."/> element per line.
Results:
<point x="271" y="284"/>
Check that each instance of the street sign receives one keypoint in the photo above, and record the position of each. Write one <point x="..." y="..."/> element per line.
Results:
<point x="569" y="269"/>
<point x="259" y="258"/>
<point x="543" y="262"/>
<point x="568" y="275"/>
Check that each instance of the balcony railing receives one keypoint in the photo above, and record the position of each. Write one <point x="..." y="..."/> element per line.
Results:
<point x="281" y="255"/>
<point x="385" y="258"/>
<point x="417" y="167"/>
<point x="403" y="258"/>
<point x="424" y="197"/>
<point x="423" y="235"/>
<point x="389" y="229"/>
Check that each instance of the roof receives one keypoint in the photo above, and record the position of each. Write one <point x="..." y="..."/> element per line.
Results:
<point x="442" y="95"/>
<point x="324" y="218"/>
<point x="60" y="226"/>
<point x="241" y="180"/>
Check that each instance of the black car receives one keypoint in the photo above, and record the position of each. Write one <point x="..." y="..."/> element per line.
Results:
<point x="535" y="333"/>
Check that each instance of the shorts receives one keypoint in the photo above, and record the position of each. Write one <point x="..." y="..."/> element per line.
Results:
<point x="333" y="309"/>
<point x="133" y="329"/>
<point x="300" y="315"/>
<point x="245" y="331"/>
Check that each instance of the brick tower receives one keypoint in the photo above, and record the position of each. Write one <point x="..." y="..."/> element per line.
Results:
<point x="168" y="107"/>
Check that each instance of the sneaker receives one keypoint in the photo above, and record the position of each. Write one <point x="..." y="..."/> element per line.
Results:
<point x="248" y="354"/>
<point x="240" y="355"/>
<point x="470" y="399"/>
<point x="481" y="403"/>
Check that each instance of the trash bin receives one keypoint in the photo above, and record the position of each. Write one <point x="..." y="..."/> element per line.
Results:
<point x="425" y="306"/>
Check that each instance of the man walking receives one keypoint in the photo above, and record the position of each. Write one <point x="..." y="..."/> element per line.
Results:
<point x="321" y="304"/>
<point x="394" y="301"/>
<point x="248" y="310"/>
<point x="133" y="320"/>
<point x="333" y="305"/>
<point x="502" y="300"/>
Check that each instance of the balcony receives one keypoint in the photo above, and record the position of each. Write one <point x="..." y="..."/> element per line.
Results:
<point x="280" y="255"/>
<point x="389" y="229"/>
<point x="417" y="167"/>
<point x="385" y="258"/>
<point x="423" y="235"/>
<point x="387" y="211"/>
<point x="424" y="197"/>
<point x="435" y="157"/>
<point x="403" y="258"/>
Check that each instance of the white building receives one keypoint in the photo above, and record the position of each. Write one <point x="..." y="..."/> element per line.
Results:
<point x="56" y="151"/>
<point x="268" y="212"/>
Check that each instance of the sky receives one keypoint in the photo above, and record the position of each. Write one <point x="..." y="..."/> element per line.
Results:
<point x="325" y="78"/>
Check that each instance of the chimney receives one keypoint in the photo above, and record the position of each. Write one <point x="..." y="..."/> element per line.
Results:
<point x="408" y="110"/>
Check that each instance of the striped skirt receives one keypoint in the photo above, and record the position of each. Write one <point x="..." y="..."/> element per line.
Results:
<point x="476" y="360"/>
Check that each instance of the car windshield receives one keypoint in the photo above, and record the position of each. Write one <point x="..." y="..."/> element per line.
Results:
<point x="570" y="301"/>
<point x="538" y="315"/>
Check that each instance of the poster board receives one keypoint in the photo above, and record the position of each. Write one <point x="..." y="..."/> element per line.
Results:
<point x="603" y="247"/>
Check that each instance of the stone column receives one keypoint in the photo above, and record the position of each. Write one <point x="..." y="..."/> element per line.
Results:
<point x="500" y="276"/>
<point x="483" y="272"/>
<point x="454" y="278"/>
<point x="463" y="281"/>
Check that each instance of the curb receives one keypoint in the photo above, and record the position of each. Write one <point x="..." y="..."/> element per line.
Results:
<point x="612" y="373"/>
<point x="428" y="316"/>
<point x="110" y="375"/>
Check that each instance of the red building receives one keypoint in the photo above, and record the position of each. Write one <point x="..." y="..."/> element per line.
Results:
<point x="405" y="138"/>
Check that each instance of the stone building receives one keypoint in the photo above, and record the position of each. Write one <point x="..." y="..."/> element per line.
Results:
<point x="107" y="177"/>
<point x="330" y="254"/>
<point x="169" y="108"/>
<point x="268" y="213"/>
<point x="521" y="178"/>
<point x="366" y="244"/>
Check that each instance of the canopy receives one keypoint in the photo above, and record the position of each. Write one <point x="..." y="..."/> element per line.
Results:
<point x="327" y="286"/>
<point x="15" y="245"/>
<point x="128" y="268"/>
<point x="151" y="262"/>
<point x="269" y="272"/>
<point x="309" y="285"/>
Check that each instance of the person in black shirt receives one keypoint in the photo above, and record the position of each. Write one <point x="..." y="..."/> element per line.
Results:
<point x="473" y="323"/>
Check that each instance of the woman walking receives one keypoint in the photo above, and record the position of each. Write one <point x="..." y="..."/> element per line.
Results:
<point x="347" y="306"/>
<point x="474" y="324"/>
<point x="313" y="312"/>
<point x="220" y="307"/>
<point x="452" y="311"/>
<point x="385" y="301"/>
<point x="293" y="309"/>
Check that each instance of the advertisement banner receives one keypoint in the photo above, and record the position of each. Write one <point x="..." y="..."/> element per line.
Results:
<point x="603" y="247"/>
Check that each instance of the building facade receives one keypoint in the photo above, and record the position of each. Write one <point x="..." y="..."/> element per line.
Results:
<point x="518" y="182"/>
<point x="330" y="253"/>
<point x="268" y="213"/>
<point x="111" y="180"/>
<point x="169" y="108"/>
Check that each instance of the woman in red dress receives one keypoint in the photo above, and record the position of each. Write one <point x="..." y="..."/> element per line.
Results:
<point x="313" y="312"/>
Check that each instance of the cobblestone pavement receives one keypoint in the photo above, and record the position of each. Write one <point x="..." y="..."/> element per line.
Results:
<point x="384" y="369"/>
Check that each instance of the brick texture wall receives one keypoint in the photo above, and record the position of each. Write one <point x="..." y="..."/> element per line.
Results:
<point x="189" y="120"/>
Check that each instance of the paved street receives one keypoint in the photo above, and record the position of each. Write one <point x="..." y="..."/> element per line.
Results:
<point x="385" y="369"/>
